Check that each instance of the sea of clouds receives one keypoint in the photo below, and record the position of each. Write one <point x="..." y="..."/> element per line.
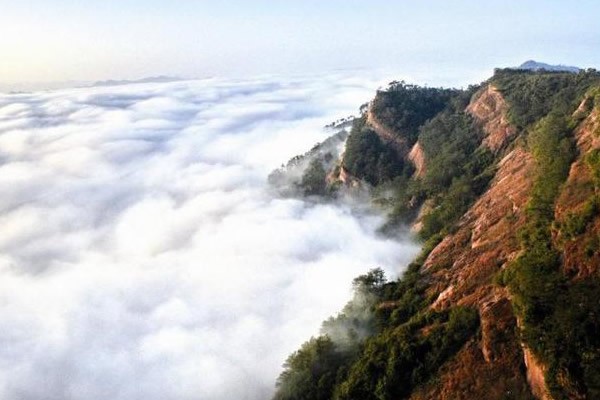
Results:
<point x="142" y="255"/>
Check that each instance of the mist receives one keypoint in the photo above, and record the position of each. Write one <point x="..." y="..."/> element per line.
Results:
<point x="142" y="254"/>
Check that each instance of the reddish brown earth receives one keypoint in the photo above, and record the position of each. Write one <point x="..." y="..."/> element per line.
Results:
<point x="490" y="110"/>
<point x="461" y="268"/>
<point x="488" y="367"/>
<point x="460" y="271"/>
<point x="417" y="157"/>
<point x="578" y="189"/>
<point x="535" y="376"/>
<point x="348" y="179"/>
<point x="485" y="240"/>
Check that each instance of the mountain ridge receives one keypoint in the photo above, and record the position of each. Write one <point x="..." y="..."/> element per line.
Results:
<point x="150" y="79"/>
<point x="509" y="215"/>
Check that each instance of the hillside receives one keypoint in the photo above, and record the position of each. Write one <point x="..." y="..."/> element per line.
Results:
<point x="500" y="182"/>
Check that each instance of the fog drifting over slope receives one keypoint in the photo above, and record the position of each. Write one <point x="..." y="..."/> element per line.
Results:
<point x="142" y="256"/>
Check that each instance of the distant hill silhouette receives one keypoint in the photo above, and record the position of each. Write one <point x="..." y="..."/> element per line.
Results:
<point x="538" y="66"/>
<point x="150" y="79"/>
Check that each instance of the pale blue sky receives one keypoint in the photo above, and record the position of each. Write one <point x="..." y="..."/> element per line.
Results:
<point x="446" y="41"/>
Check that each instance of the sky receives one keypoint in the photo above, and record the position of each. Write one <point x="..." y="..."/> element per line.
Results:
<point x="432" y="41"/>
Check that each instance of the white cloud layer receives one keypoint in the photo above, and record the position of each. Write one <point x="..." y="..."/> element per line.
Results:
<point x="142" y="255"/>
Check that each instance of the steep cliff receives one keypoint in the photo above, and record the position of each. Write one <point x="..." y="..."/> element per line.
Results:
<point x="490" y="110"/>
<point x="503" y="183"/>
<point x="417" y="157"/>
<point x="463" y="267"/>
<point x="577" y="207"/>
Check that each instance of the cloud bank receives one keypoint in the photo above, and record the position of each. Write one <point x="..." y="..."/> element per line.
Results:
<point x="142" y="255"/>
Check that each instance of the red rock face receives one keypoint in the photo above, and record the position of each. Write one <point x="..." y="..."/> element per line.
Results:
<point x="486" y="236"/>
<point x="578" y="261"/>
<point x="462" y="266"/>
<point x="417" y="157"/>
<point x="587" y="134"/>
<point x="535" y="376"/>
<point x="348" y="179"/>
<point x="460" y="271"/>
<point x="490" y="367"/>
<point x="490" y="110"/>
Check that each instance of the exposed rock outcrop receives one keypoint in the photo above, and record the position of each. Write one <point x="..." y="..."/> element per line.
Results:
<point x="587" y="134"/>
<point x="490" y="367"/>
<point x="489" y="108"/>
<point x="461" y="270"/>
<point x="425" y="208"/>
<point x="347" y="178"/>
<point x="486" y="237"/>
<point x="417" y="157"/>
<point x="535" y="376"/>
<point x="581" y="258"/>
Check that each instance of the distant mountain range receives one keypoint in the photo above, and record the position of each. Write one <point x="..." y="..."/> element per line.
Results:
<point x="150" y="79"/>
<point x="538" y="66"/>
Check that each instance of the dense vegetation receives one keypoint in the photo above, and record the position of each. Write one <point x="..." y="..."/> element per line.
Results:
<point x="560" y="319"/>
<point x="458" y="169"/>
<point x="404" y="108"/>
<point x="314" y="371"/>
<point x="399" y="359"/>
<point x="313" y="179"/>
<point x="377" y="348"/>
<point x="532" y="95"/>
